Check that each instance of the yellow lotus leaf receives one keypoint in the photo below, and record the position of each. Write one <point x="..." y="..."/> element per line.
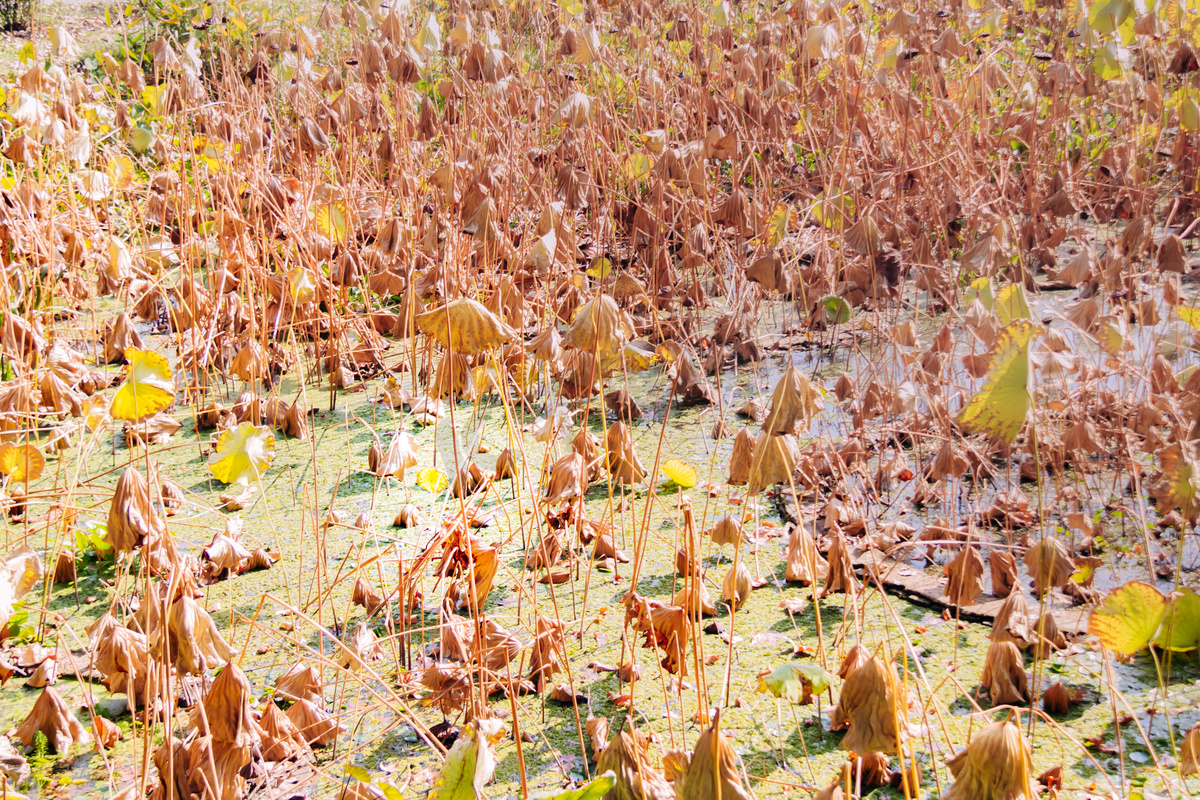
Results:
<point x="148" y="387"/>
<point x="465" y="326"/>
<point x="432" y="480"/>
<point x="680" y="473"/>
<point x="1000" y="407"/>
<point x="1011" y="304"/>
<point x="1129" y="617"/>
<point x="23" y="462"/>
<point x="243" y="454"/>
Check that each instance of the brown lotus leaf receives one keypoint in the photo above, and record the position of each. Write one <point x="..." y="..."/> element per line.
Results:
<point x="546" y="347"/>
<point x="195" y="644"/>
<point x="465" y="327"/>
<point x="363" y="647"/>
<point x="568" y="479"/>
<point x="1189" y="752"/>
<point x="1047" y="637"/>
<point x="1004" y="572"/>
<point x="995" y="766"/>
<point x="805" y="563"/>
<point x="596" y="729"/>
<point x="506" y="466"/>
<point x="119" y="336"/>
<point x="839" y="576"/>
<point x="409" y="516"/>
<point x="875" y="770"/>
<point x="727" y="530"/>
<point x="1004" y="677"/>
<point x="544" y="653"/>
<point x="467" y="555"/>
<point x="225" y="553"/>
<point x="774" y="460"/>
<point x="622" y="406"/>
<point x="966" y="577"/>
<point x="741" y="458"/>
<point x="794" y="401"/>
<point x="689" y="382"/>
<point x="1049" y="564"/>
<point x="132" y="517"/>
<point x="493" y="646"/>
<point x="365" y="595"/>
<point x="281" y="739"/>
<point x="1056" y="700"/>
<point x="106" y="732"/>
<point x="636" y="779"/>
<point x="736" y="588"/>
<point x="713" y="772"/>
<point x="665" y="627"/>
<point x="227" y="716"/>
<point x="450" y="688"/>
<point x="467" y="481"/>
<point x="300" y="683"/>
<point x="64" y="567"/>
<point x="259" y="559"/>
<point x="315" y="724"/>
<point x="400" y="455"/>
<point x="51" y="716"/>
<point x="871" y="706"/>
<point x="694" y="599"/>
<point x="605" y="547"/>
<point x="46" y="674"/>
<point x="548" y="552"/>
<point x="120" y="655"/>
<point x="622" y="459"/>
<point x="201" y="768"/>
<point x="1011" y="623"/>
<point x="599" y="327"/>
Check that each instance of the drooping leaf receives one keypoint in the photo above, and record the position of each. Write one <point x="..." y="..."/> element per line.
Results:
<point x="470" y="763"/>
<point x="243" y="454"/>
<point x="432" y="480"/>
<point x="465" y="326"/>
<point x="1178" y="487"/>
<point x="1129" y="618"/>
<point x="793" y="682"/>
<point x="982" y="289"/>
<point x="679" y="472"/>
<point x="148" y="387"/>
<point x="1180" y="626"/>
<point x="1000" y="407"/>
<point x="22" y="462"/>
<point x="1011" y="304"/>
<point x="592" y="790"/>
<point x="837" y="310"/>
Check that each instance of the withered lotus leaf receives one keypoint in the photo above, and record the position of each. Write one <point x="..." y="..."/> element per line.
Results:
<point x="713" y="772"/>
<point x="805" y="563"/>
<point x="995" y="766"/>
<point x="195" y="644"/>
<point x="1056" y="700"/>
<point x="1004" y="572"/>
<point x="605" y="547"/>
<point x="664" y="626"/>
<point x="465" y="327"/>
<point x="363" y="647"/>
<point x="132" y="518"/>
<point x="281" y="739"/>
<point x="365" y="595"/>
<point x="741" y="458"/>
<point x="839" y="576"/>
<point x="622" y="458"/>
<point x="774" y="460"/>
<point x="727" y="530"/>
<point x="51" y="717"/>
<point x="493" y="646"/>
<point x="568" y="479"/>
<point x="409" y="516"/>
<point x="20" y="571"/>
<point x="694" y="599"/>
<point x="1004" y="677"/>
<point x="966" y="577"/>
<point x="793" y="403"/>
<point x="315" y="724"/>
<point x="1049" y="564"/>
<point x="301" y="682"/>
<point x="1011" y="623"/>
<point x="735" y="589"/>
<point x="227" y="709"/>
<point x="625" y="754"/>
<point x="872" y="705"/>
<point x="1189" y="751"/>
<point x="544" y="654"/>
<point x="600" y="327"/>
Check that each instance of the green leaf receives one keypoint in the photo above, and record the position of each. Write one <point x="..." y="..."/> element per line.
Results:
<point x="469" y="765"/>
<point x="1000" y="407"/>
<point x="358" y="773"/>
<point x="836" y="309"/>
<point x="981" y="288"/>
<point x="1129" y="618"/>
<point x="1107" y="15"/>
<point x="594" y="790"/>
<point x="1180" y="627"/>
<point x="1011" y="304"/>
<point x="793" y="682"/>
